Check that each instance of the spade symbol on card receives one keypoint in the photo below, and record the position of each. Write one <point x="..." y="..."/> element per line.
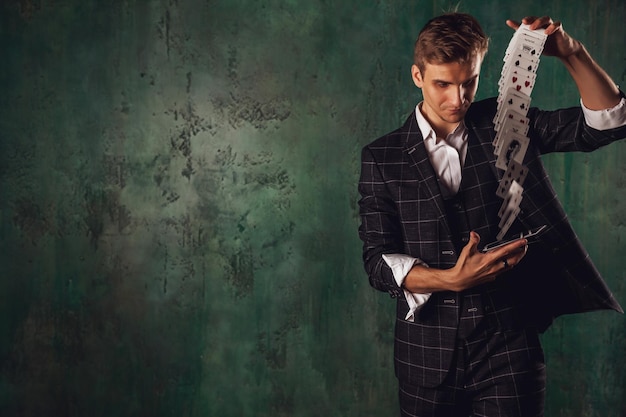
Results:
<point x="511" y="101"/>
<point x="514" y="172"/>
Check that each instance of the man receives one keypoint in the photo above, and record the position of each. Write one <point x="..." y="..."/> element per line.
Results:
<point x="467" y="325"/>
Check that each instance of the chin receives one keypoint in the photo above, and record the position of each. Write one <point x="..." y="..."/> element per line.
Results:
<point x="456" y="118"/>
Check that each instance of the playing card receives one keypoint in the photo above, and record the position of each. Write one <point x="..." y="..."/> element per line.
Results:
<point x="537" y="33"/>
<point x="530" y="41"/>
<point x="518" y="79"/>
<point x="505" y="225"/>
<point x="510" y="209"/>
<point x="522" y="62"/>
<point x="511" y="118"/>
<point x="511" y="122"/>
<point x="507" y="130"/>
<point x="511" y="200"/>
<point x="512" y="99"/>
<point x="529" y="51"/>
<point x="515" y="86"/>
<point x="521" y="53"/>
<point x="515" y="172"/>
<point x="513" y="147"/>
<point x="520" y="102"/>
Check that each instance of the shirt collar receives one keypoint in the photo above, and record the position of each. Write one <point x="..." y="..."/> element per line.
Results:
<point x="455" y="138"/>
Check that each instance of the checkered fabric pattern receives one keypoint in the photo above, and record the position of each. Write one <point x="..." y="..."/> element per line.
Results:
<point x="494" y="374"/>
<point x="402" y="211"/>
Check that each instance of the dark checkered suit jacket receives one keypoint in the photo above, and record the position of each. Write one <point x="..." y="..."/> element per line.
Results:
<point x="402" y="211"/>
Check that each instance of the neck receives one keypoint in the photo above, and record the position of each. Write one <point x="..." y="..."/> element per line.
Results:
<point x="441" y="128"/>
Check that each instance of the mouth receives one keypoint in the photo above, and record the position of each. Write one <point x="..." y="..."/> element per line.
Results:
<point x="461" y="109"/>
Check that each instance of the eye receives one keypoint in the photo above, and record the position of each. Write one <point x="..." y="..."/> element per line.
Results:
<point x="470" y="82"/>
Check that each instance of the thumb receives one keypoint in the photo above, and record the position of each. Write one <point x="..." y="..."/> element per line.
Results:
<point x="512" y="24"/>
<point x="474" y="238"/>
<point x="472" y="244"/>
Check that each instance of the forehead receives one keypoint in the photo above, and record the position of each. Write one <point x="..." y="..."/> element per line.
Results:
<point x="454" y="71"/>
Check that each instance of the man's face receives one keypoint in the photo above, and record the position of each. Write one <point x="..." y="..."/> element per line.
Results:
<point x="448" y="91"/>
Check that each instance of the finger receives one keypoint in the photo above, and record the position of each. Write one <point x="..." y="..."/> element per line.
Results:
<point x="521" y="248"/>
<point x="528" y="20"/>
<point x="506" y="263"/>
<point x="512" y="24"/>
<point x="510" y="249"/>
<point x="538" y="23"/>
<point x="513" y="258"/>
<point x="472" y="244"/>
<point x="553" y="27"/>
<point x="474" y="237"/>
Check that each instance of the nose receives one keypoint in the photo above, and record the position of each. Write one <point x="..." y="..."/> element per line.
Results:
<point x="458" y="96"/>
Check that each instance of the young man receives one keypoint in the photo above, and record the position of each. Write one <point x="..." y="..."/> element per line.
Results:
<point x="467" y="324"/>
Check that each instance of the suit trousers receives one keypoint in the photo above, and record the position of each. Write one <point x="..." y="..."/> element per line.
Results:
<point x="497" y="371"/>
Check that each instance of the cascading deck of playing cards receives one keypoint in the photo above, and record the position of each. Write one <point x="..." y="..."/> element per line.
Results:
<point x="519" y="72"/>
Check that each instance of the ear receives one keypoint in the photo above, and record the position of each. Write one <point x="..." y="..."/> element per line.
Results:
<point x="416" y="74"/>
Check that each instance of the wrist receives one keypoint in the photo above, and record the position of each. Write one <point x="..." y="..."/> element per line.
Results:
<point x="577" y="54"/>
<point x="422" y="279"/>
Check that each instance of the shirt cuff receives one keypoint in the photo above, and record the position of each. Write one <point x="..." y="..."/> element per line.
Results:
<point x="400" y="266"/>
<point x="606" y="119"/>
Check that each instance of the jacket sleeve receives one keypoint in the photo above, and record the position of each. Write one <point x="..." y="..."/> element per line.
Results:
<point x="565" y="130"/>
<point x="380" y="228"/>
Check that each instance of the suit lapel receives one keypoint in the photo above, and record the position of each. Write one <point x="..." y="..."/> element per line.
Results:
<point x="478" y="187"/>
<point x="418" y="159"/>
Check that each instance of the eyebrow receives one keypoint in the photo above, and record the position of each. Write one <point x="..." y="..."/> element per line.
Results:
<point x="449" y="82"/>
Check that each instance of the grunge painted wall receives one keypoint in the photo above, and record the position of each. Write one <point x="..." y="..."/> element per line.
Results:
<point x="178" y="205"/>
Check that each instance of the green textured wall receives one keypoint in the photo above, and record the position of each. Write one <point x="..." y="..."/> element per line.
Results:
<point x="178" y="205"/>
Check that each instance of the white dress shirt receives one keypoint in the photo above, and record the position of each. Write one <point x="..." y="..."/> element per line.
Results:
<point x="447" y="155"/>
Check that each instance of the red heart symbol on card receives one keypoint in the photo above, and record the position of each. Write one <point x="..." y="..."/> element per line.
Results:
<point x="527" y="83"/>
<point x="518" y="87"/>
<point x="514" y="79"/>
